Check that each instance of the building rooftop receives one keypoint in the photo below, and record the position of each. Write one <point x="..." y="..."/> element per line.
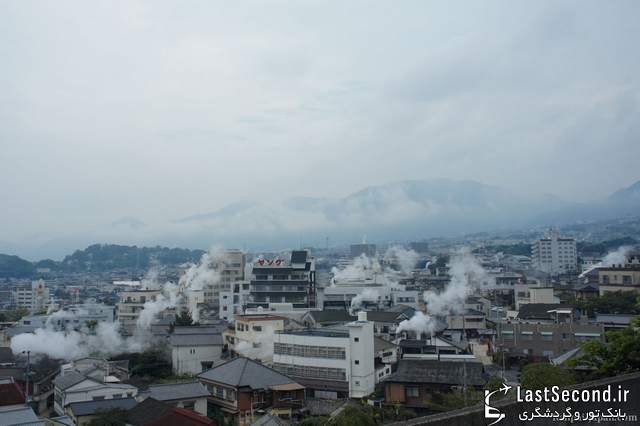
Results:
<point x="320" y="332"/>
<point x="11" y="415"/>
<point x="331" y="315"/>
<point x="87" y="408"/>
<point x="175" y="391"/>
<point x="244" y="372"/>
<point x="541" y="310"/>
<point x="10" y="393"/>
<point x="260" y="317"/>
<point x="438" y="372"/>
<point x="196" y="340"/>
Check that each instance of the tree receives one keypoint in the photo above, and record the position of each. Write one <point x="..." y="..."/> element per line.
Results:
<point x="540" y="375"/>
<point x="184" y="319"/>
<point x="110" y="417"/>
<point x="613" y="302"/>
<point x="621" y="353"/>
<point x="354" y="416"/>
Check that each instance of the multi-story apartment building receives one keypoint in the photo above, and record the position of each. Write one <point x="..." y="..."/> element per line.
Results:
<point x="329" y="362"/>
<point x="231" y="267"/>
<point x="622" y="277"/>
<point x="281" y="281"/>
<point x="130" y="305"/>
<point x="233" y="302"/>
<point x="544" y="331"/>
<point x="34" y="297"/>
<point x="555" y="254"/>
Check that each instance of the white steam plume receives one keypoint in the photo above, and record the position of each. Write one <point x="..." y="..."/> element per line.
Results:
<point x="467" y="277"/>
<point x="616" y="257"/>
<point x="367" y="295"/>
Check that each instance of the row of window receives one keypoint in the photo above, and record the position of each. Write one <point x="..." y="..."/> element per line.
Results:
<point x="308" y="351"/>
<point x="311" y="372"/>
<point x="548" y="335"/>
<point x="222" y="392"/>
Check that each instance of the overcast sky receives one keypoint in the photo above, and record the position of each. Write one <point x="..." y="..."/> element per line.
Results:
<point x="159" y="110"/>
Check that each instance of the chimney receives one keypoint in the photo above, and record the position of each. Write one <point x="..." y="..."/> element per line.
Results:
<point x="362" y="316"/>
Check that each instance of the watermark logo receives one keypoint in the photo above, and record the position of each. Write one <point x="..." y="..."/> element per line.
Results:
<point x="491" y="413"/>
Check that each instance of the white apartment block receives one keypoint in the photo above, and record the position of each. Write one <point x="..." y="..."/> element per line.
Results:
<point x="232" y="302"/>
<point x="34" y="297"/>
<point x="130" y="305"/>
<point x="555" y="254"/>
<point x="231" y="267"/>
<point x="331" y="362"/>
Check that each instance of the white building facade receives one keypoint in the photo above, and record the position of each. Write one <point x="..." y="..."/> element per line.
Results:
<point x="332" y="363"/>
<point x="555" y="254"/>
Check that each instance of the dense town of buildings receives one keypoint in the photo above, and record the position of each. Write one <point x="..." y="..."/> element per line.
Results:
<point x="280" y="336"/>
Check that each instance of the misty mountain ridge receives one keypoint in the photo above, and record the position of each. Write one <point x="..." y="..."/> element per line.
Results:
<point x="406" y="210"/>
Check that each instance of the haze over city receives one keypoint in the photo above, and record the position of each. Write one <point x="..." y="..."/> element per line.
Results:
<point x="119" y="119"/>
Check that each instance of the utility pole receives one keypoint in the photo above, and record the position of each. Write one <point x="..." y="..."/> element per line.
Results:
<point x="27" y="374"/>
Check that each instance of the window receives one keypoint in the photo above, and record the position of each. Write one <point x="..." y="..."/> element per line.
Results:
<point x="257" y="328"/>
<point x="626" y="279"/>
<point x="357" y="362"/>
<point x="116" y="395"/>
<point x="98" y="398"/>
<point x="413" y="392"/>
<point x="356" y="339"/>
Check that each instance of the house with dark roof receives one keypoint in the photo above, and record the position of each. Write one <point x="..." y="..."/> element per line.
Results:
<point x="151" y="412"/>
<point x="191" y="395"/>
<point x="72" y="386"/>
<point x="469" y="320"/>
<point x="82" y="413"/>
<point x="418" y="383"/>
<point x="241" y="388"/>
<point x="327" y="318"/>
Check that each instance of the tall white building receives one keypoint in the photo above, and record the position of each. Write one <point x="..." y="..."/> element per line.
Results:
<point x="330" y="362"/>
<point x="231" y="267"/>
<point x="555" y="254"/>
<point x="130" y="306"/>
<point x="34" y="297"/>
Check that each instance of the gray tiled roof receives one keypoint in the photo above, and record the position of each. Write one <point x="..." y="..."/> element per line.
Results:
<point x="241" y="372"/>
<point x="195" y="339"/>
<point x="18" y="415"/>
<point x="68" y="379"/>
<point x="438" y="372"/>
<point x="175" y="391"/>
<point x="86" y="408"/>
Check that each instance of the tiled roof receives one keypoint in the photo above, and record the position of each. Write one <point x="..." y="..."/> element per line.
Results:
<point x="86" y="408"/>
<point x="241" y="372"/>
<point x="178" y="391"/>
<point x="438" y="372"/>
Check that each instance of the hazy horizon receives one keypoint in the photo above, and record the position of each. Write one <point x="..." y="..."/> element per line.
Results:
<point x="153" y="112"/>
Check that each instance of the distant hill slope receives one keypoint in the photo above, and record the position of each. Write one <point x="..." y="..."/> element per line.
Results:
<point x="100" y="257"/>
<point x="15" y="267"/>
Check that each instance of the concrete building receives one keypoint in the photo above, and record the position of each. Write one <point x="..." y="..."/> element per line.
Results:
<point x="619" y="278"/>
<point x="195" y="349"/>
<point x="231" y="267"/>
<point x="34" y="297"/>
<point x="232" y="302"/>
<point x="330" y="362"/>
<point x="525" y="294"/>
<point x="555" y="254"/>
<point x="75" y="316"/>
<point x="282" y="281"/>
<point x="253" y="336"/>
<point x="130" y="305"/>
